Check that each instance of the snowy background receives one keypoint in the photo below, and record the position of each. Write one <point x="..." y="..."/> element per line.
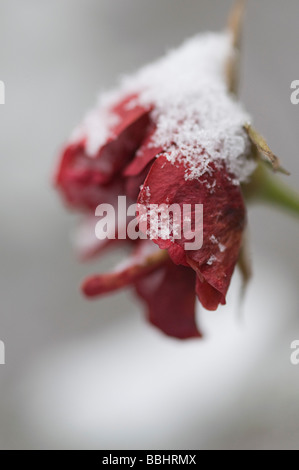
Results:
<point x="95" y="375"/>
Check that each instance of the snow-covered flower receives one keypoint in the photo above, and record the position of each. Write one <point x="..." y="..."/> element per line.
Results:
<point x="172" y="133"/>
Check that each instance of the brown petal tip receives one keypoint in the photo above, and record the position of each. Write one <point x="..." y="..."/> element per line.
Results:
<point x="264" y="150"/>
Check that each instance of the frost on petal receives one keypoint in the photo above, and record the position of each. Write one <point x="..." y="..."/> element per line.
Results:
<point x="169" y="293"/>
<point x="192" y="111"/>
<point x="224" y="220"/>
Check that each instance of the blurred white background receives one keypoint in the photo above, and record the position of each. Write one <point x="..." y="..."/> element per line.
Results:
<point x="96" y="375"/>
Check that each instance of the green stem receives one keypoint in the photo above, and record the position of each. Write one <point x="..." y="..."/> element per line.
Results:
<point x="266" y="187"/>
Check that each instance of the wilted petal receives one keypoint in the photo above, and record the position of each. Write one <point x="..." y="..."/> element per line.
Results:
<point x="209" y="297"/>
<point x="145" y="155"/>
<point x="146" y="258"/>
<point x="223" y="223"/>
<point x="169" y="293"/>
<point x="134" y="183"/>
<point x="87" y="180"/>
<point x="79" y="180"/>
<point x="125" y="138"/>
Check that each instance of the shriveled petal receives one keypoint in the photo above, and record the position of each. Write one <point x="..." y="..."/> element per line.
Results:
<point x="137" y="170"/>
<point x="126" y="137"/>
<point x="145" y="155"/>
<point x="86" y="179"/>
<point x="80" y="180"/>
<point x="169" y="293"/>
<point x="209" y="297"/>
<point x="224" y="219"/>
<point x="134" y="183"/>
<point x="146" y="259"/>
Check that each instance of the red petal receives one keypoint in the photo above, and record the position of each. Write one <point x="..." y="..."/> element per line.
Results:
<point x="170" y="296"/>
<point x="209" y="297"/>
<point x="127" y="137"/>
<point x="134" y="183"/>
<point x="146" y="259"/>
<point x="145" y="155"/>
<point x="224" y="219"/>
<point x="87" y="181"/>
<point x="79" y="180"/>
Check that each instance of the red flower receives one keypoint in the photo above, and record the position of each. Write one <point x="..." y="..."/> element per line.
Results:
<point x="166" y="143"/>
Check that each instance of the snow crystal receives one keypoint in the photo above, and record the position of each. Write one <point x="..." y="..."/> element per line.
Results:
<point x="197" y="120"/>
<point x="215" y="241"/>
<point x="221" y="247"/>
<point x="147" y="192"/>
<point x="211" y="260"/>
